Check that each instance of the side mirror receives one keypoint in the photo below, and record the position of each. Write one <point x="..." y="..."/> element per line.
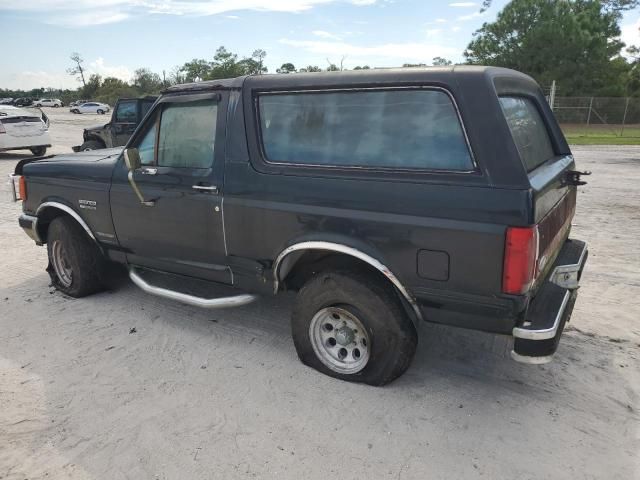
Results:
<point x="132" y="159"/>
<point x="133" y="162"/>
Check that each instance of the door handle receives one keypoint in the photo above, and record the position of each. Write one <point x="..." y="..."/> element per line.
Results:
<point x="206" y="188"/>
<point x="149" y="171"/>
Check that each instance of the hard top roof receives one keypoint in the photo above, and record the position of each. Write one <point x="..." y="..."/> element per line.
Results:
<point x="369" y="76"/>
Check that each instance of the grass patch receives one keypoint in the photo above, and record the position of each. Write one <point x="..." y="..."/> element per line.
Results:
<point x="602" y="134"/>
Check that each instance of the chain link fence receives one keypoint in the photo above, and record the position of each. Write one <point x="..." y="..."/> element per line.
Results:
<point x="597" y="116"/>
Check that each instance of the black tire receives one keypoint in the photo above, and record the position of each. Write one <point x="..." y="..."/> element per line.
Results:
<point x="38" y="105"/>
<point x="38" y="151"/>
<point x="91" y="145"/>
<point x="100" y="111"/>
<point x="75" y="111"/>
<point x="80" y="254"/>
<point x="392" y="335"/>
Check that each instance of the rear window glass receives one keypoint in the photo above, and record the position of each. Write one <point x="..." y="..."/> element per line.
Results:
<point x="528" y="130"/>
<point x="403" y="129"/>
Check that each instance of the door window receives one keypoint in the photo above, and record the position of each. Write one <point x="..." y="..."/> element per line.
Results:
<point x="187" y="135"/>
<point x="126" y="112"/>
<point x="147" y="146"/>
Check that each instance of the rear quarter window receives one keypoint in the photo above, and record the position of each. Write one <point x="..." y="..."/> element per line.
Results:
<point x="528" y="130"/>
<point x="415" y="129"/>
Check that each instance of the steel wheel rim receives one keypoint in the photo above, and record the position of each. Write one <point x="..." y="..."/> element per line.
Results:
<point x="340" y="340"/>
<point x="61" y="264"/>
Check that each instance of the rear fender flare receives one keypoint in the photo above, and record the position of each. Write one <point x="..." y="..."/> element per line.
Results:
<point x="347" y="250"/>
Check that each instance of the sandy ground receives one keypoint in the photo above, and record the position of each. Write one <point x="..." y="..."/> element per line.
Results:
<point x="195" y="394"/>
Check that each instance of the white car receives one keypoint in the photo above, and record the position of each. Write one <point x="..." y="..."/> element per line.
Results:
<point x="91" y="107"/>
<point x="21" y="129"/>
<point x="48" y="102"/>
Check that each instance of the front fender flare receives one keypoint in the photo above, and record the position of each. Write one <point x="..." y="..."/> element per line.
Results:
<point x="69" y="211"/>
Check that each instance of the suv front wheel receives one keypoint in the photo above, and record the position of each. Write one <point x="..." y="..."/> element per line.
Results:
<point x="352" y="326"/>
<point x="75" y="263"/>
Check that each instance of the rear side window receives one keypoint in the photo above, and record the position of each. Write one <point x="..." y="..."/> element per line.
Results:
<point x="396" y="129"/>
<point x="528" y="130"/>
<point x="126" y="112"/>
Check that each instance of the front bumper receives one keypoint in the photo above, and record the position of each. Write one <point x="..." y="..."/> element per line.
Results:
<point x="537" y="338"/>
<point x="29" y="224"/>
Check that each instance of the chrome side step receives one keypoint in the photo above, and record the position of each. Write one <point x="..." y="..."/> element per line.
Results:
<point x="221" y="302"/>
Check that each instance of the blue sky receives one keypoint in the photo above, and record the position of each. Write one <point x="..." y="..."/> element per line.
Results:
<point x="117" y="36"/>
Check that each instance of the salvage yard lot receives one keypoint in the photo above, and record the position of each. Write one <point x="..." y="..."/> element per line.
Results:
<point x="125" y="385"/>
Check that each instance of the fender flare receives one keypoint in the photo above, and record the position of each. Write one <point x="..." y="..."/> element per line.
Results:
<point x="353" y="252"/>
<point x="71" y="212"/>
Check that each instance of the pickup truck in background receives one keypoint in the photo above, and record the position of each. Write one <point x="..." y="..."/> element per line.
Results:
<point x="383" y="197"/>
<point x="127" y="115"/>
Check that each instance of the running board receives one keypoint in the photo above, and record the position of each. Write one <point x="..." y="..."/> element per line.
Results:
<point x="221" y="302"/>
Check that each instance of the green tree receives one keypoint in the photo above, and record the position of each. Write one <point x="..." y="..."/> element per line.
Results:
<point x="146" y="81"/>
<point x="310" y="68"/>
<point x="225" y="65"/>
<point x="364" y="67"/>
<point x="113" y="88"/>
<point x="92" y="87"/>
<point x="195" y="70"/>
<point x="257" y="59"/>
<point x="287" y="68"/>
<point x="611" y="5"/>
<point x="440" y="61"/>
<point x="574" y="42"/>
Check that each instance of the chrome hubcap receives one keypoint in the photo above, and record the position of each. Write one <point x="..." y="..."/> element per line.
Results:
<point x="61" y="264"/>
<point x="339" y="340"/>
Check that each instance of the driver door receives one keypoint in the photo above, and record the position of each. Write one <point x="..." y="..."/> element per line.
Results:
<point x="181" y="148"/>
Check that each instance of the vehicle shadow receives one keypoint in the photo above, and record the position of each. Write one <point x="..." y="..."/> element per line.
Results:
<point x="18" y="155"/>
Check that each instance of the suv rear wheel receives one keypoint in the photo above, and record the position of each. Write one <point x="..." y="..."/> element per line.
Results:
<point x="38" y="151"/>
<point x="91" y="145"/>
<point x="353" y="327"/>
<point x="75" y="263"/>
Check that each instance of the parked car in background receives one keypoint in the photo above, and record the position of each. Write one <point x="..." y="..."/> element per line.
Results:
<point x="78" y="102"/>
<point x="23" y="102"/>
<point x="6" y="101"/>
<point x="49" y="102"/>
<point x="23" y="130"/>
<point x="127" y="114"/>
<point x="91" y="107"/>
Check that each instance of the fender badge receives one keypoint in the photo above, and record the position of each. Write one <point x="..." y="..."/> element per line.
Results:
<point x="87" y="204"/>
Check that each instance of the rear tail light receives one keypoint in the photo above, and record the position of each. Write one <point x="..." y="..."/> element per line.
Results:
<point x="520" y="259"/>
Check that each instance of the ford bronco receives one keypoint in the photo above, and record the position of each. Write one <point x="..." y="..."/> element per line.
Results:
<point x="383" y="197"/>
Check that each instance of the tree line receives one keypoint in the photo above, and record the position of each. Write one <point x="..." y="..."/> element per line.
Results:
<point x="574" y="42"/>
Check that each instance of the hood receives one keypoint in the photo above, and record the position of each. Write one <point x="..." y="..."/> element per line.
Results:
<point x="94" y="165"/>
